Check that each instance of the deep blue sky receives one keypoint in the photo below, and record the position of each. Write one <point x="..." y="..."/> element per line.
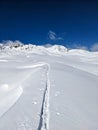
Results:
<point x="73" y="21"/>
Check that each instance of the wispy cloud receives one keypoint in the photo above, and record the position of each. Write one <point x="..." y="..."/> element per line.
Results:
<point x="53" y="36"/>
<point x="81" y="47"/>
<point x="77" y="46"/>
<point x="47" y="45"/>
<point x="94" y="47"/>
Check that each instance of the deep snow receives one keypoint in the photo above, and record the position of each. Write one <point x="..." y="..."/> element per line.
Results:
<point x="48" y="88"/>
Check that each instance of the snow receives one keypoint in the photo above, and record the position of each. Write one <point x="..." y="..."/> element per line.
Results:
<point x="48" y="88"/>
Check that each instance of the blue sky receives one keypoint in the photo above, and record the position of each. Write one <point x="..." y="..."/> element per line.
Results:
<point x="66" y="22"/>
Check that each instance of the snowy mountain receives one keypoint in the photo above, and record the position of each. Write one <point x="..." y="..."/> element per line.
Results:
<point x="48" y="88"/>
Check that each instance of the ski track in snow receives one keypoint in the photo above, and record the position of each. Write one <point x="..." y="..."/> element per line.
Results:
<point x="44" y="114"/>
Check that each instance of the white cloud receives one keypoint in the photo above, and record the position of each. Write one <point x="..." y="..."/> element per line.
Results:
<point x="12" y="43"/>
<point x="94" y="47"/>
<point x="53" y="36"/>
<point x="7" y="42"/>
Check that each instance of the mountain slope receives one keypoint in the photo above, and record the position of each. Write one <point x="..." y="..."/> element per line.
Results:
<point x="48" y="89"/>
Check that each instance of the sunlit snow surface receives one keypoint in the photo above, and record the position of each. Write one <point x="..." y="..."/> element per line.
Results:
<point x="48" y="89"/>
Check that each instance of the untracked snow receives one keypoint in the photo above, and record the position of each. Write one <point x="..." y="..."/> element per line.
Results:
<point x="48" y="88"/>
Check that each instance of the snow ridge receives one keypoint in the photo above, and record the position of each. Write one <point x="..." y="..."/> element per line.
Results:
<point x="44" y="115"/>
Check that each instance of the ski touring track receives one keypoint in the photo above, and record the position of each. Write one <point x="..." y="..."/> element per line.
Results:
<point x="44" y="113"/>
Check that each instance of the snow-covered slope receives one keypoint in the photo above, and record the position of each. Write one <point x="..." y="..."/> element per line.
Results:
<point x="48" y="88"/>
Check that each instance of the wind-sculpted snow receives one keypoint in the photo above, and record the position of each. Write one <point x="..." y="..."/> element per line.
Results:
<point x="48" y="88"/>
<point x="8" y="97"/>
